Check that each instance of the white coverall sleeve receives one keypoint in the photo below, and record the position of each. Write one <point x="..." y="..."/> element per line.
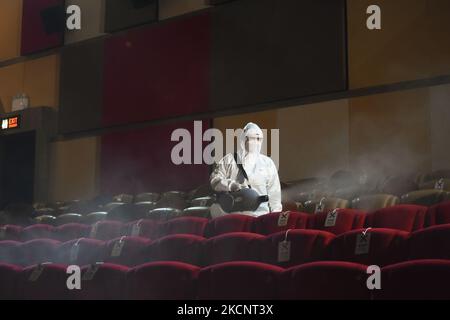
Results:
<point x="220" y="179"/>
<point x="274" y="189"/>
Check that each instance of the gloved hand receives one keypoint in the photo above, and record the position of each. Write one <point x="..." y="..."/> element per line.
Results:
<point x="234" y="186"/>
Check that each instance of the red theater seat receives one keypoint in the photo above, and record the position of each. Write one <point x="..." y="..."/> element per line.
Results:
<point x="172" y="199"/>
<point x="10" y="232"/>
<point x="102" y="281"/>
<point x="106" y="230"/>
<point x="146" y="197"/>
<point x="398" y="185"/>
<point x="415" y="280"/>
<point x="378" y="246"/>
<point x="229" y="223"/>
<point x="280" y="221"/>
<point x="125" y="250"/>
<point x="373" y="202"/>
<point x="72" y="231"/>
<point x="303" y="246"/>
<point x="9" y="275"/>
<point x="44" y="282"/>
<point x="325" y="280"/>
<point x="45" y="219"/>
<point x="125" y="213"/>
<point x="402" y="217"/>
<point x="95" y="217"/>
<point x="426" y="198"/>
<point x="439" y="214"/>
<point x="162" y="281"/>
<point x="186" y="225"/>
<point x="239" y="281"/>
<point x="164" y="213"/>
<point x="39" y="251"/>
<point x="140" y="209"/>
<point x="38" y="231"/>
<point x="430" y="243"/>
<point x="201" y="212"/>
<point x="113" y="205"/>
<point x="141" y="228"/>
<point x="185" y="248"/>
<point x="235" y="246"/>
<point x="338" y="221"/>
<point x="205" y="201"/>
<point x="80" y="252"/>
<point x="10" y="252"/>
<point x="69" y="218"/>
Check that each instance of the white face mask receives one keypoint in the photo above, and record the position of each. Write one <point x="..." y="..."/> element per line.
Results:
<point x="253" y="146"/>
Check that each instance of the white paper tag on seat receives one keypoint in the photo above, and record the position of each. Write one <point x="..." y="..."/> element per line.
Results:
<point x="319" y="208"/>
<point x="91" y="271"/>
<point x="94" y="228"/>
<point x="362" y="243"/>
<point x="36" y="273"/>
<point x="284" y="251"/>
<point x="117" y="249"/>
<point x="283" y="219"/>
<point x="74" y="252"/>
<point x="136" y="229"/>
<point x="439" y="185"/>
<point x="332" y="216"/>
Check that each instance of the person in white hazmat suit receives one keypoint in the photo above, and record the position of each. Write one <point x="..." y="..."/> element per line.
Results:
<point x="261" y="171"/>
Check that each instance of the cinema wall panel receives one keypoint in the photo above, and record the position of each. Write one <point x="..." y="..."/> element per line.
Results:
<point x="390" y="133"/>
<point x="440" y="130"/>
<point x="439" y="48"/>
<point x="81" y="86"/>
<point x="74" y="170"/>
<point x="314" y="139"/>
<point x="92" y="20"/>
<point x="122" y="14"/>
<point x="41" y="81"/>
<point x="139" y="160"/>
<point x="158" y="71"/>
<point x="264" y="50"/>
<point x="171" y="8"/>
<point x="11" y="82"/>
<point x="10" y="27"/>
<point x="411" y="44"/>
<point x="35" y="37"/>
<point x="38" y="78"/>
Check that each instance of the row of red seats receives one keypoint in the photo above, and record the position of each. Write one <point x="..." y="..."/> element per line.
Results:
<point x="402" y="217"/>
<point x="378" y="246"/>
<point x="106" y="230"/>
<point x="419" y="279"/>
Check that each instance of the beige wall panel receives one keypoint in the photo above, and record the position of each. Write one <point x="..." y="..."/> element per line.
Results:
<point x="41" y="81"/>
<point x="11" y="83"/>
<point x="74" y="169"/>
<point x="313" y="140"/>
<point x="171" y="8"/>
<point x="390" y="133"/>
<point x="10" y="28"/>
<point x="397" y="52"/>
<point x="440" y="126"/>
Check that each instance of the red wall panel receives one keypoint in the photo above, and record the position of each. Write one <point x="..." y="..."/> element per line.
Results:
<point x="140" y="160"/>
<point x="34" y="36"/>
<point x="158" y="71"/>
